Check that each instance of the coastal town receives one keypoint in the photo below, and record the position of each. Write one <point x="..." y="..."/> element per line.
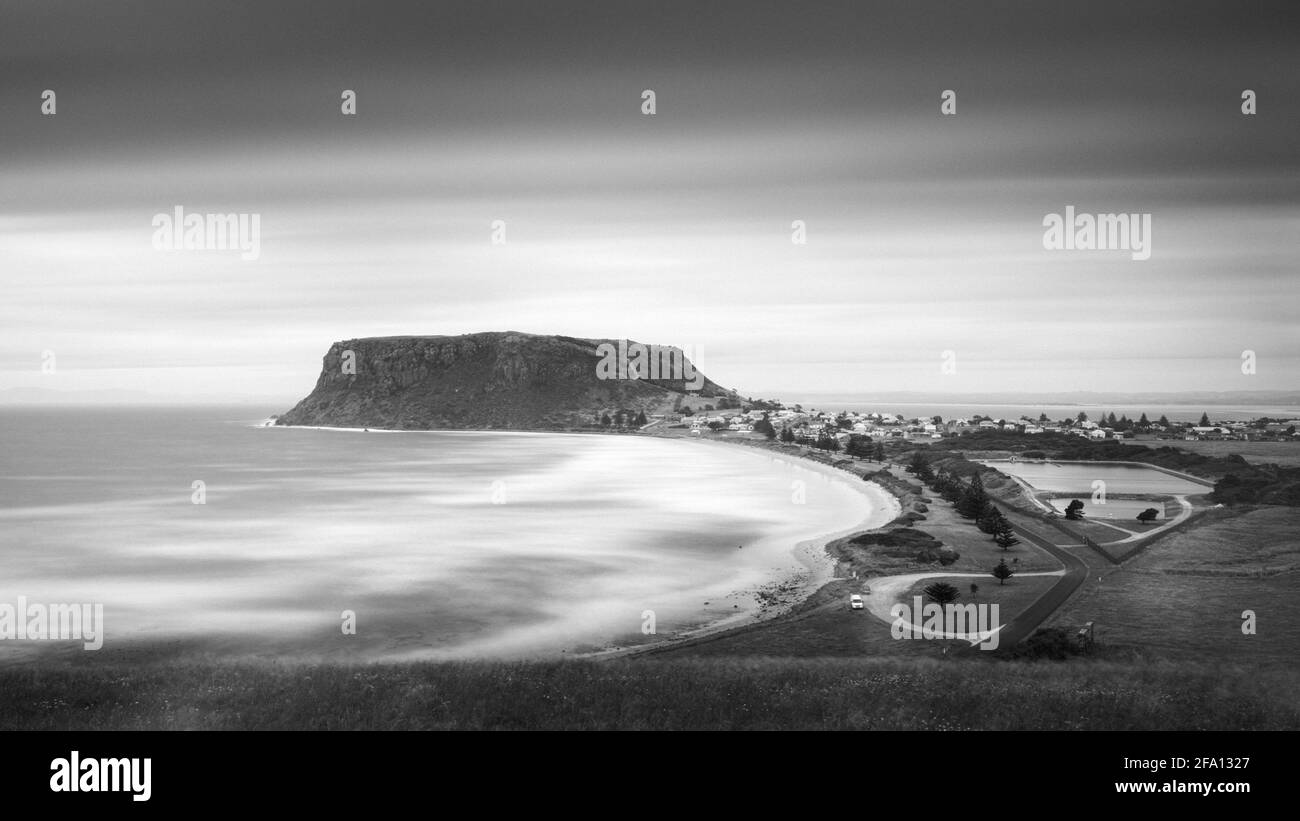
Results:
<point x="813" y="426"/>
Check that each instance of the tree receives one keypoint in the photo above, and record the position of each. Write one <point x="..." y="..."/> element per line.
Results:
<point x="950" y="489"/>
<point x="880" y="452"/>
<point x="1005" y="536"/>
<point x="641" y="420"/>
<point x="787" y="435"/>
<point x="941" y="593"/>
<point x="1082" y="417"/>
<point x="686" y="411"/>
<point x="920" y="467"/>
<point x="1205" y="419"/>
<point x="973" y="499"/>
<point x="914" y="464"/>
<point x="1148" y="515"/>
<point x="1074" y="510"/>
<point x="1110" y="420"/>
<point x="1002" y="572"/>
<point x="1164" y="421"/>
<point x="1042" y="417"/>
<point x="764" y="427"/>
<point x="1144" y="422"/>
<point x="989" y="521"/>
<point x="605" y="421"/>
<point x="859" y="446"/>
<point x="974" y="589"/>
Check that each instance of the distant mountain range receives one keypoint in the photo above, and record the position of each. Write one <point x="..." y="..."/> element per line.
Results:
<point x="497" y="380"/>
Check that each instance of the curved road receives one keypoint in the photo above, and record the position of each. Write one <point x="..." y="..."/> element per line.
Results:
<point x="1031" y="617"/>
<point x="1045" y="605"/>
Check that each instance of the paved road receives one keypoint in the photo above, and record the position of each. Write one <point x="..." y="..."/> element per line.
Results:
<point x="1076" y="572"/>
<point x="1029" y="619"/>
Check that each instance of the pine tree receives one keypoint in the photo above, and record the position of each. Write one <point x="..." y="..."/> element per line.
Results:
<point x="880" y="452"/>
<point x="915" y="463"/>
<point x="1205" y="420"/>
<point x="1004" y="535"/>
<point x="989" y="520"/>
<point x="973" y="499"/>
<point x="941" y="593"/>
<point x="952" y="491"/>
<point x="1002" y="572"/>
<point x="1164" y="422"/>
<point x="1144" y="422"/>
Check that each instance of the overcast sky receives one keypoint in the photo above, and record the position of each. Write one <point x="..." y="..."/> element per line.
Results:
<point x="924" y="231"/>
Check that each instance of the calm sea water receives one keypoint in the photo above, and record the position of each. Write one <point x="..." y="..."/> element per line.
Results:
<point x="443" y="544"/>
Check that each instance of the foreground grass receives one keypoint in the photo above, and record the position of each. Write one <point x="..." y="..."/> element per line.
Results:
<point x="647" y="694"/>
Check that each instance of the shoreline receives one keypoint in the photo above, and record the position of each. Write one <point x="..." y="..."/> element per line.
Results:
<point x="819" y="565"/>
<point x="811" y="552"/>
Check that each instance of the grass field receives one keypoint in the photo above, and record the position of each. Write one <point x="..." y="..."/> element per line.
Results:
<point x="1184" y="597"/>
<point x="737" y="694"/>
<point x="1259" y="453"/>
<point x="1012" y="597"/>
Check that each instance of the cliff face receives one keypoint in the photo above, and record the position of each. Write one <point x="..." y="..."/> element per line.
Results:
<point x="498" y="380"/>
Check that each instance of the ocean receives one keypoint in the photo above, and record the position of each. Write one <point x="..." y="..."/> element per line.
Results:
<point x="440" y="545"/>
